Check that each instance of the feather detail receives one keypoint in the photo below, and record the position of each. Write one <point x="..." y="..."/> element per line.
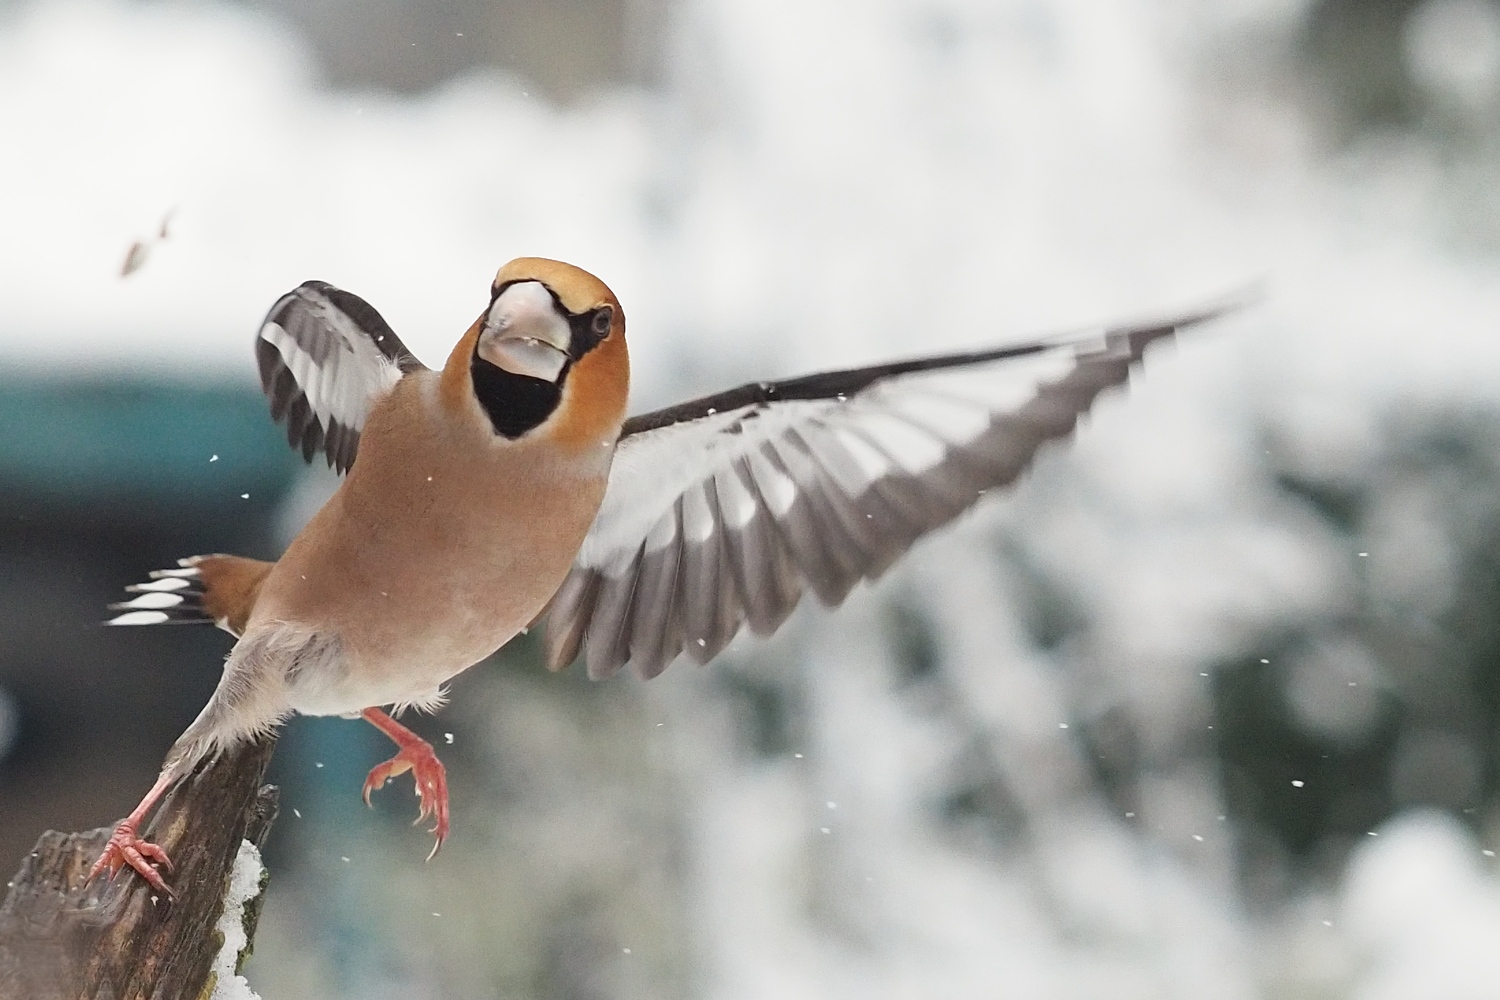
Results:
<point x="721" y="511"/>
<point x="326" y="357"/>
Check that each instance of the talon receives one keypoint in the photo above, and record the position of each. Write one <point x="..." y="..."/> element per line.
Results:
<point x="376" y="781"/>
<point x="126" y="848"/>
<point x="430" y="779"/>
<point x="156" y="854"/>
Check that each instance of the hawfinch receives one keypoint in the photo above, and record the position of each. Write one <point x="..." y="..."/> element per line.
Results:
<point x="509" y="489"/>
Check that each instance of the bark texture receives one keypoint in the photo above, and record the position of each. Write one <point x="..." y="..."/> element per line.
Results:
<point x="62" y="940"/>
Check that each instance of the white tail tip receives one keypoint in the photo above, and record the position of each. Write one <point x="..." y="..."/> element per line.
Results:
<point x="139" y="618"/>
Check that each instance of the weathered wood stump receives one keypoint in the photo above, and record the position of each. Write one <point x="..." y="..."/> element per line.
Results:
<point x="62" y="940"/>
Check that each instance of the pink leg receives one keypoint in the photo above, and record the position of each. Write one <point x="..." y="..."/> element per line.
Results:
<point x="125" y="848"/>
<point x="416" y="755"/>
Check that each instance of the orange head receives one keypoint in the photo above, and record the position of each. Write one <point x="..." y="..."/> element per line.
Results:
<point x="546" y="358"/>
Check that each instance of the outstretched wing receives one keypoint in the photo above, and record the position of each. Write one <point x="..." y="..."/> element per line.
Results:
<point x="325" y="357"/>
<point x="721" y="511"/>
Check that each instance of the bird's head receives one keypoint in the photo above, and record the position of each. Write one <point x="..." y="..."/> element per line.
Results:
<point x="547" y="356"/>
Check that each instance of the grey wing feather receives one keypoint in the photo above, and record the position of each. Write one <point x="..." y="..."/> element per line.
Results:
<point x="325" y="356"/>
<point x="716" y="519"/>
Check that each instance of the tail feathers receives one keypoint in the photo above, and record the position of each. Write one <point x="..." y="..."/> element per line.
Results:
<point x="172" y="597"/>
<point x="205" y="590"/>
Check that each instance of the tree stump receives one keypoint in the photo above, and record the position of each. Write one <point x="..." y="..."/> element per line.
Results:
<point x="62" y="940"/>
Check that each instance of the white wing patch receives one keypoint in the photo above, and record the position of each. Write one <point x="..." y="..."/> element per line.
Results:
<point x="724" y="518"/>
<point x="639" y="492"/>
<point x="341" y="388"/>
<point x="326" y="356"/>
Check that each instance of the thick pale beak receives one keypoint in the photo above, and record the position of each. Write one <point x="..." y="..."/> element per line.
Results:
<point x="525" y="334"/>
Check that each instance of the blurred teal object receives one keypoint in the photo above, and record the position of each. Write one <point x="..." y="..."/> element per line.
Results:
<point x="158" y="442"/>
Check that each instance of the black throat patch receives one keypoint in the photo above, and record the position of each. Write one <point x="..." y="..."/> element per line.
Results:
<point x="519" y="403"/>
<point x="515" y="403"/>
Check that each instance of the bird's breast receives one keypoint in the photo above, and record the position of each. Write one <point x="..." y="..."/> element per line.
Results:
<point x="439" y="547"/>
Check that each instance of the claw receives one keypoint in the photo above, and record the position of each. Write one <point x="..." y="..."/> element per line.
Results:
<point x="431" y="781"/>
<point x="381" y="773"/>
<point x="125" y="848"/>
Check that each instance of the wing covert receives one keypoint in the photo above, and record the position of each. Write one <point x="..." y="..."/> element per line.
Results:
<point x="325" y="357"/>
<point x="716" y="518"/>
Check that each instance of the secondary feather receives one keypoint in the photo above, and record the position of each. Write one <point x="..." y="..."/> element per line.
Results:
<point x="722" y="511"/>
<point x="325" y="357"/>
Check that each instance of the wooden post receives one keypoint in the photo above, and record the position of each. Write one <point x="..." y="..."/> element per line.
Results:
<point x="61" y="940"/>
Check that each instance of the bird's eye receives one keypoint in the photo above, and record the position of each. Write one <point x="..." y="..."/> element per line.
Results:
<point x="603" y="316"/>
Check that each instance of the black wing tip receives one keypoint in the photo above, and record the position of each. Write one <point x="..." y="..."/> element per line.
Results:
<point x="847" y="381"/>
<point x="1216" y="308"/>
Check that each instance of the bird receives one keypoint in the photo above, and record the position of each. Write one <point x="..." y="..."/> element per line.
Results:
<point x="509" y="489"/>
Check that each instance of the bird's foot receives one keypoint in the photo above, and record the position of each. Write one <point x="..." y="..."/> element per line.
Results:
<point x="126" y="848"/>
<point x="418" y="757"/>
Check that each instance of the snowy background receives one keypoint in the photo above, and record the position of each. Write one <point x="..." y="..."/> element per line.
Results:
<point x="1208" y="707"/>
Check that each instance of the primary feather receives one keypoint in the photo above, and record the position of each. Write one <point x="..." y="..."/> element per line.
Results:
<point x="325" y="357"/>
<point x="722" y="511"/>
